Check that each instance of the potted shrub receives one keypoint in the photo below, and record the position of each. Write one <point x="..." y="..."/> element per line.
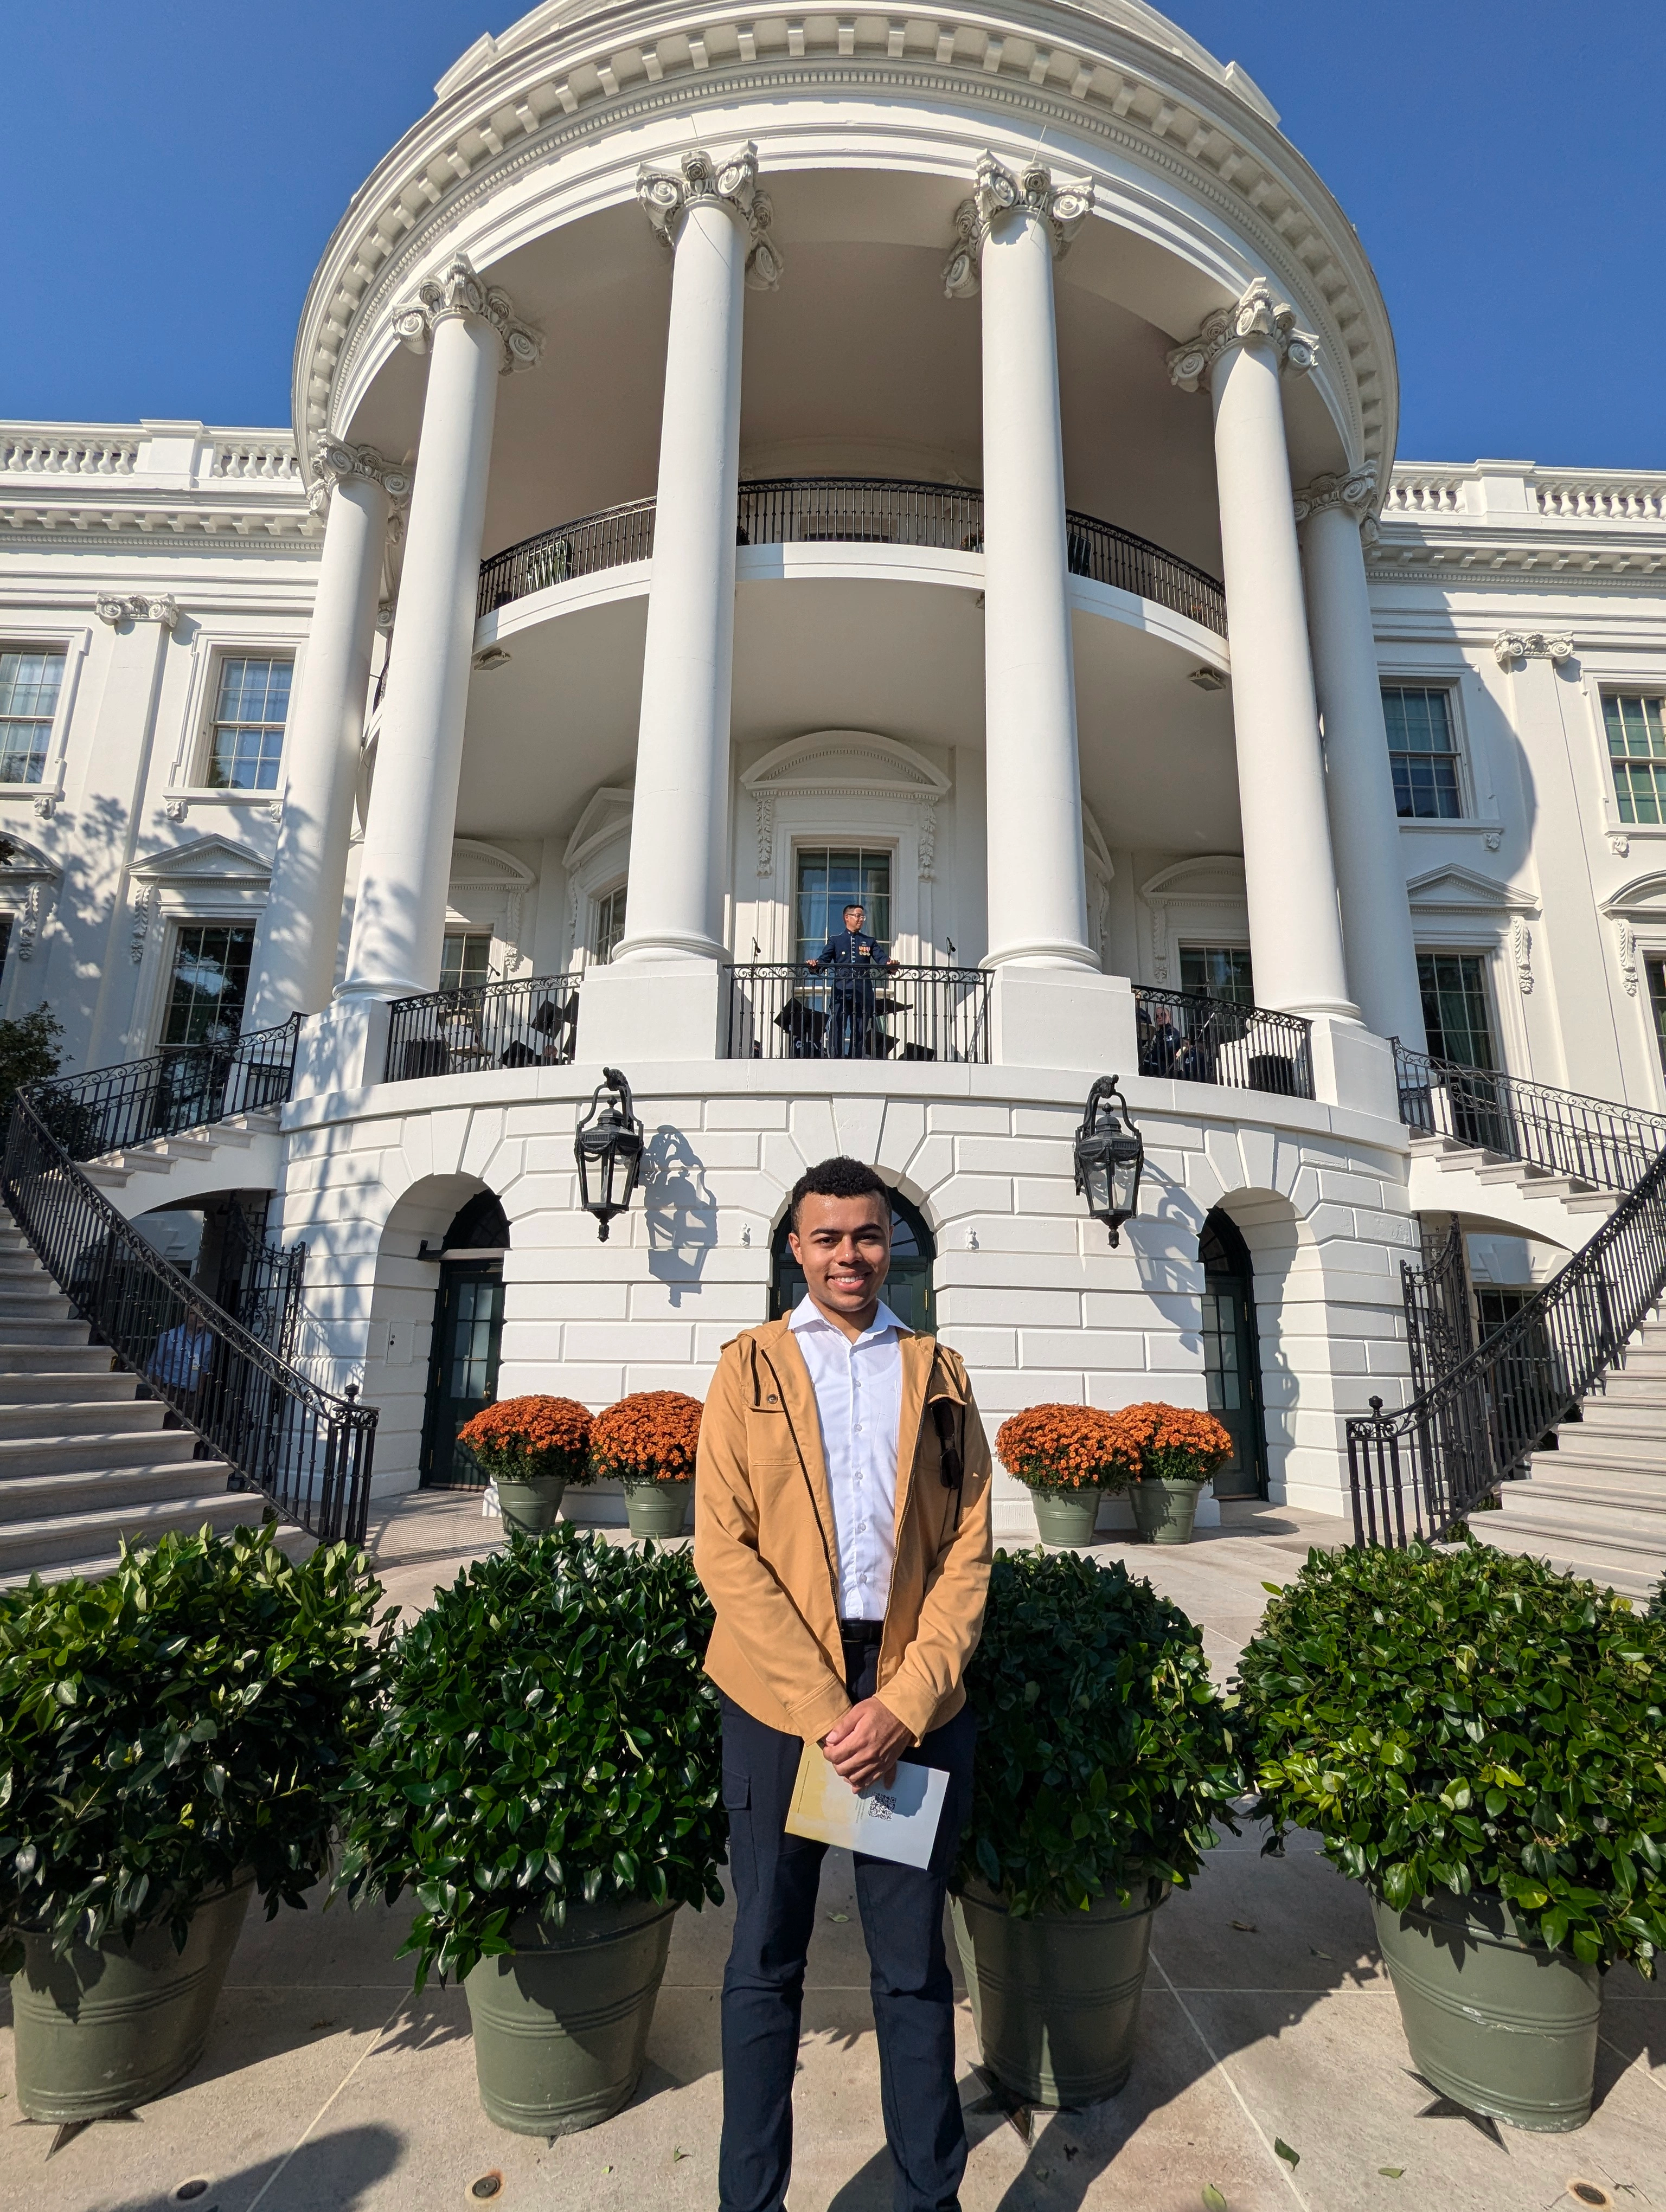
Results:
<point x="646" y="1443"/>
<point x="531" y="1448"/>
<point x="547" y="1778"/>
<point x="174" y="1740"/>
<point x="1068" y="1457"/>
<point x="1174" y="1450"/>
<point x="1477" y="1739"/>
<point x="1103" y="1760"/>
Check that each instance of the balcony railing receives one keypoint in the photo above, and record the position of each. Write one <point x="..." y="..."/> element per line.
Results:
<point x="787" y="1012"/>
<point x="184" y="1086"/>
<point x="852" y="511"/>
<point x="530" y="1023"/>
<point x="1594" y="1140"/>
<point x="1189" y="1038"/>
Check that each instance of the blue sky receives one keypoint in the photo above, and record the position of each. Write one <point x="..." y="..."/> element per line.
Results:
<point x="175" y="167"/>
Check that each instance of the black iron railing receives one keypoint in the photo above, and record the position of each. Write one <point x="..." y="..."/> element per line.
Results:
<point x="852" y="511"/>
<point x="1418" y="1472"/>
<point x="309" y="1452"/>
<point x="182" y="1087"/>
<point x="782" y="1011"/>
<point x="1190" y="1038"/>
<point x="530" y="1022"/>
<point x="1440" y="1326"/>
<point x="1593" y="1140"/>
<point x="260" y="1281"/>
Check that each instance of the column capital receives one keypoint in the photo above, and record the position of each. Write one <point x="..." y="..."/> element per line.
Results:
<point x="1511" y="646"/>
<point x="1259" y="316"/>
<point x="1354" y="491"/>
<point x="457" y="290"/>
<point x="1060" y="207"/>
<point x="334" y="461"/>
<point x="117" y="607"/>
<point x="730" y="183"/>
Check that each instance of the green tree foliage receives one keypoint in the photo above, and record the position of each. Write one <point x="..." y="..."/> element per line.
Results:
<point x="28" y="1054"/>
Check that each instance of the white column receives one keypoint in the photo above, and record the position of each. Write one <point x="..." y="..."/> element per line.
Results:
<point x="1012" y="231"/>
<point x="1295" y="929"/>
<point x="294" y="961"/>
<point x="1364" y="833"/>
<point x="469" y="331"/>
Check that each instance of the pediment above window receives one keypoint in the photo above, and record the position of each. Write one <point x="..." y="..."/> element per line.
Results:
<point x="833" y="763"/>
<point x="1462" y="891"/>
<point x="607" y="816"/>
<point x="23" y="862"/>
<point x="204" y="860"/>
<point x="1212" y="876"/>
<point x="475" y="866"/>
<point x="1642" y="899"/>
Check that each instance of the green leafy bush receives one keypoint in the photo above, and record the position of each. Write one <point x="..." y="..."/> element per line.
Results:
<point x="1471" y="1721"/>
<point x="1103" y="1754"/>
<point x="28" y="1053"/>
<point x="191" y="1714"/>
<point x="550" y="1739"/>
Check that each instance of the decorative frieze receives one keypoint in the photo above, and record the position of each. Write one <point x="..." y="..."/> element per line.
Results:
<point x="667" y="197"/>
<point x="457" y="290"/>
<point x="1511" y="646"/>
<point x="1061" y="208"/>
<point x="335" y="461"/>
<point x="1259" y="318"/>
<point x="117" y="607"/>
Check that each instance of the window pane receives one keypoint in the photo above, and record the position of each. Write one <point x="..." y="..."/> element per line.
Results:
<point x="29" y="685"/>
<point x="209" y="984"/>
<point x="1657" y="974"/>
<point x="830" y="877"/>
<point x="466" y="959"/>
<point x="248" y="725"/>
<point x="1220" y="971"/>
<point x="609" y="923"/>
<point x="1422" y="751"/>
<point x="1454" y="991"/>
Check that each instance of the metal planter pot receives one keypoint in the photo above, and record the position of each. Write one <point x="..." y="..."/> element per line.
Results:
<point x="1065" y="1516"/>
<point x="103" y="2029"/>
<point x="1055" y="1999"/>
<point x="532" y="1502"/>
<point x="1494" y="2020"/>
<point x="658" y="1509"/>
<point x="1165" y="1512"/>
<point x="561" y="2024"/>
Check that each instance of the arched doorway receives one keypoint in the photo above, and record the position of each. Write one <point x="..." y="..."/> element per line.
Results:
<point x="908" y="1287"/>
<point x="1231" y="1355"/>
<point x="468" y="1338"/>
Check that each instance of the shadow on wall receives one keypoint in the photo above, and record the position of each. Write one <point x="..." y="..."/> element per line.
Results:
<point x="679" y="1210"/>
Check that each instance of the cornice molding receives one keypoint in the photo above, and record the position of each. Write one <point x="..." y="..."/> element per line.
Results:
<point x="457" y="293"/>
<point x="1258" y="317"/>
<point x="1060" y="209"/>
<point x="667" y="199"/>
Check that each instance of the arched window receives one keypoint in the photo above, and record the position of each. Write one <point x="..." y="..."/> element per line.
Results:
<point x="908" y="1288"/>
<point x="1231" y="1355"/>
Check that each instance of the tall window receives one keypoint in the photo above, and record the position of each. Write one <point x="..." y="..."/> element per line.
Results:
<point x="610" y="924"/>
<point x="1220" y="971"/>
<point x="248" y="725"/>
<point x="1454" y="990"/>
<point x="832" y="878"/>
<point x="209" y="984"/>
<point x="1422" y="751"/>
<point x="1657" y="974"/>
<point x="466" y="959"/>
<point x="1637" y="749"/>
<point x="28" y="700"/>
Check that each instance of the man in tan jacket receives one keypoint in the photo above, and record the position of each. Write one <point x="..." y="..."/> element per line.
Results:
<point x="841" y="1531"/>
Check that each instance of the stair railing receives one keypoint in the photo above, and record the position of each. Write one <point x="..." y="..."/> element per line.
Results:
<point x="184" y="1086"/>
<point x="307" y="1450"/>
<point x="1593" y="1140"/>
<point x="1440" y="1326"/>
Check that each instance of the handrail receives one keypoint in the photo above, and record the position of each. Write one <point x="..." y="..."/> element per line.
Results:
<point x="184" y="1086"/>
<point x="531" y="1021"/>
<point x="1598" y="1141"/>
<point x="307" y="1450"/>
<point x="1188" y="1038"/>
<point x="852" y="510"/>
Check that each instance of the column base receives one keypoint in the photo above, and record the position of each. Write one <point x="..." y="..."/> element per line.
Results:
<point x="345" y="1047"/>
<point x="1354" y="1067"/>
<point x="1063" y="1017"/>
<point x="650" y="1010"/>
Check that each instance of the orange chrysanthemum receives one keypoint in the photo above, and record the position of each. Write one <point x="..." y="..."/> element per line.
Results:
<point x="524" y="1437"/>
<point x="1064" y="1447"/>
<point x="650" y="1436"/>
<point x="1171" y="1444"/>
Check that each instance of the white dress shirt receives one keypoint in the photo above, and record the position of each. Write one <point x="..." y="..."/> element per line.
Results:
<point x="859" y="1398"/>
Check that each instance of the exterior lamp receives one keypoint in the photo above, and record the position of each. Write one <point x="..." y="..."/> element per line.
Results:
<point x="1109" y="1155"/>
<point x="609" y="1151"/>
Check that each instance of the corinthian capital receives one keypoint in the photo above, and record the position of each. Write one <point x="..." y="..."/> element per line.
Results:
<point x="334" y="461"/>
<point x="667" y="199"/>
<point x="1259" y="318"/>
<point x="1061" y="208"/>
<point x="457" y="290"/>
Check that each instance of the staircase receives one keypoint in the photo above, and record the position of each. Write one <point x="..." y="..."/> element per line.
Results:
<point x="1449" y="1176"/>
<point x="240" y="1153"/>
<point x="84" y="1461"/>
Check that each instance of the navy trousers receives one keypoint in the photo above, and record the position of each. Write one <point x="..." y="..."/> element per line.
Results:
<point x="775" y="1878"/>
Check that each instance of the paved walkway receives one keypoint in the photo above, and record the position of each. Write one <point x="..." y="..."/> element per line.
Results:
<point x="328" y="2088"/>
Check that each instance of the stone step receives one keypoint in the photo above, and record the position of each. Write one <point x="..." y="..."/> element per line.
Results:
<point x="1645" y="1496"/>
<point x="75" y="1416"/>
<point x="75" y="1454"/>
<point x="1635" y="1443"/>
<point x="1592" y="1562"/>
<point x="105" y="1490"/>
<point x="17" y="1330"/>
<point x="61" y="1539"/>
<point x="70" y="1353"/>
<point x="1616" y="1528"/>
<point x="1590" y="1458"/>
<point x="32" y="1295"/>
<point x="97" y="1384"/>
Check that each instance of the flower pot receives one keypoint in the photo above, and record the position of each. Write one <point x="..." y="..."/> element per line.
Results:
<point x="1065" y="1516"/>
<point x="1055" y="1999"/>
<point x="107" y="2027"/>
<point x="657" y="1508"/>
<point x="1494" y="2020"/>
<point x="1165" y="1512"/>
<point x="531" y="1502"/>
<point x="561" y="2023"/>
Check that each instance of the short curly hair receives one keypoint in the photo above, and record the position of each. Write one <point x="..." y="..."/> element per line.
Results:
<point x="839" y="1178"/>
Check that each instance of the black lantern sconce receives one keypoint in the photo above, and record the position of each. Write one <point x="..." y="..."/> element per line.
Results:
<point x="1109" y="1156"/>
<point x="609" y="1151"/>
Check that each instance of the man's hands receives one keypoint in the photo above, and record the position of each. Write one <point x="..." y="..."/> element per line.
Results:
<point x="863" y="1746"/>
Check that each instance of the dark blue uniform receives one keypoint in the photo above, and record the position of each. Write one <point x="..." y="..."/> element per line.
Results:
<point x="853" y="957"/>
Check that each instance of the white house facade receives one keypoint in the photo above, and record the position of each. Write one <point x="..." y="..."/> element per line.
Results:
<point x="743" y="463"/>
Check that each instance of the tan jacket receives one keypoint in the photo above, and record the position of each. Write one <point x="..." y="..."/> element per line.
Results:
<point x="765" y="1548"/>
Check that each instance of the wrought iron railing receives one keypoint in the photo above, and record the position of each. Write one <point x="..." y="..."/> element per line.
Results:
<point x="1418" y="1472"/>
<point x="530" y="1023"/>
<point x="852" y="511"/>
<point x="1594" y="1140"/>
<point x="260" y="1281"/>
<point x="1440" y="1325"/>
<point x="309" y="1452"/>
<point x="182" y="1087"/>
<point x="784" y="1011"/>
<point x="1190" y="1038"/>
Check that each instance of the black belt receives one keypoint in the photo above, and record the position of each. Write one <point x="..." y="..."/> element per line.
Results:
<point x="861" y="1632"/>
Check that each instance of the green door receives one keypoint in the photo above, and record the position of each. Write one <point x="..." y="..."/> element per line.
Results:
<point x="908" y="1288"/>
<point x="1231" y="1362"/>
<point x="468" y="1338"/>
